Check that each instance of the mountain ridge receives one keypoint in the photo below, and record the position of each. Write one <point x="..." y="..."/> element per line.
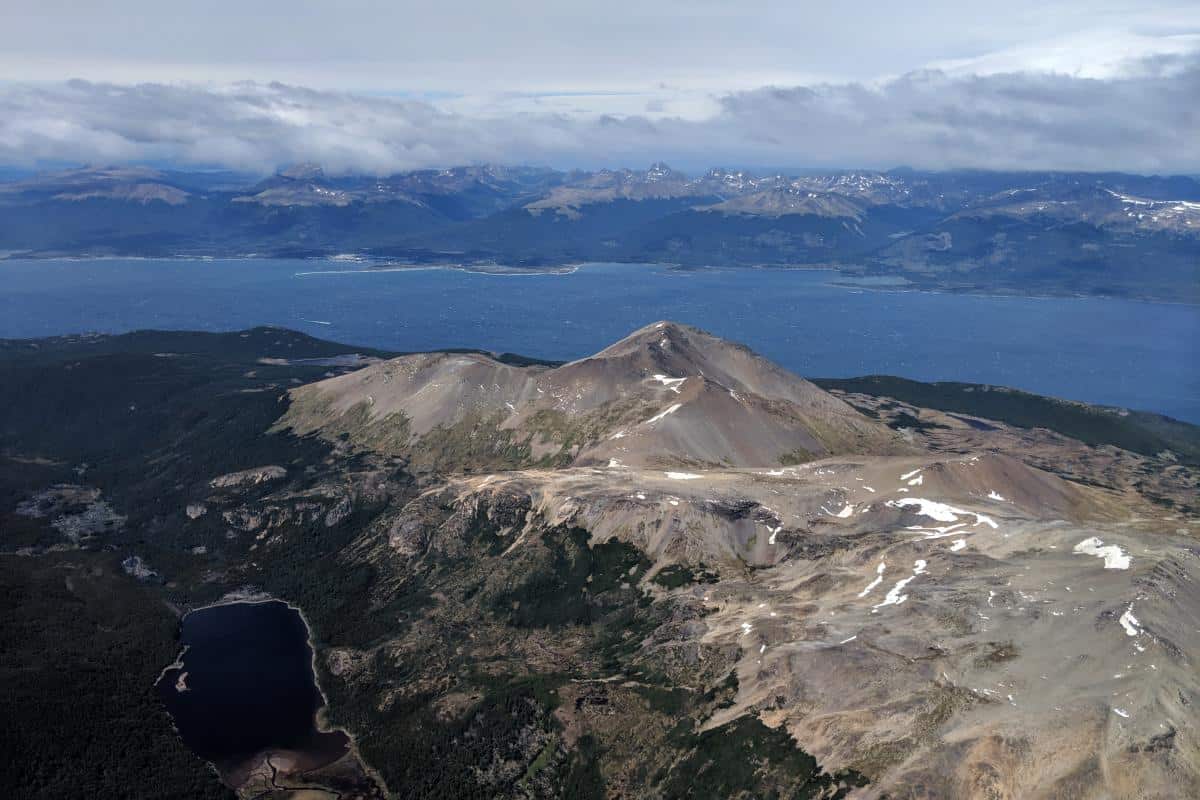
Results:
<point x="667" y="395"/>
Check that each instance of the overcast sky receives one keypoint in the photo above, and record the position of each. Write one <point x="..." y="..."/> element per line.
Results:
<point x="354" y="85"/>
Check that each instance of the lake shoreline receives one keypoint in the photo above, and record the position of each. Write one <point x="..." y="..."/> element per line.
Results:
<point x="320" y="719"/>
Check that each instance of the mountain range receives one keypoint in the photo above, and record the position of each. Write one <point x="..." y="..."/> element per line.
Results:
<point x="1029" y="232"/>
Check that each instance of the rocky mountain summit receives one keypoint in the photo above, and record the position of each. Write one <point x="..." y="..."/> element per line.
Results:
<point x="667" y="395"/>
<point x="925" y="617"/>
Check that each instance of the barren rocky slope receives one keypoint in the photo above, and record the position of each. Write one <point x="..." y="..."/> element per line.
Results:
<point x="940" y="621"/>
<point x="667" y="395"/>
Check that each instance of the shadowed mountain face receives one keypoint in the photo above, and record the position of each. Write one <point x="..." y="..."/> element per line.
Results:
<point x="667" y="395"/>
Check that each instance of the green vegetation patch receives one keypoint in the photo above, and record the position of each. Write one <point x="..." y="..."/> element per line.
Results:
<point x="577" y="431"/>
<point x="746" y="759"/>
<point x="584" y="780"/>
<point x="476" y="443"/>
<point x="81" y="646"/>
<point x="567" y="587"/>
<point x="674" y="576"/>
<point x="906" y="420"/>
<point x="794" y="457"/>
<point x="505" y="740"/>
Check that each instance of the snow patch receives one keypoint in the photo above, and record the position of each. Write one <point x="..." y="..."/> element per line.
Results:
<point x="1130" y="623"/>
<point x="669" y="410"/>
<point x="671" y="383"/>
<point x="1114" y="557"/>
<point x="878" y="579"/>
<point x="941" y="511"/>
<point x="894" y="596"/>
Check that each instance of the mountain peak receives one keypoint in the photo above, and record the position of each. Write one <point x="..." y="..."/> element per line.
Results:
<point x="653" y="331"/>
<point x="306" y="171"/>
<point x="666" y="395"/>
<point x="659" y="171"/>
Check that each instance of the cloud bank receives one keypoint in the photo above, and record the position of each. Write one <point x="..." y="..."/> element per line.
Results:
<point x="1144" y="120"/>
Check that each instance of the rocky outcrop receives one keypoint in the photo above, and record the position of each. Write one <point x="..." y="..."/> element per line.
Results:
<point x="248" y="477"/>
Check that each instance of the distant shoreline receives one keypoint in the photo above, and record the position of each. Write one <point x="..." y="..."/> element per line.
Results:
<point x="479" y="269"/>
<point x="360" y="265"/>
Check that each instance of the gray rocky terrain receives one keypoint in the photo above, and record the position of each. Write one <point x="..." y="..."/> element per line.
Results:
<point x="948" y="621"/>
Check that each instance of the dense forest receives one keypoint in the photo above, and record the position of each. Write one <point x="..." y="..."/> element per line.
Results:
<point x="81" y="646"/>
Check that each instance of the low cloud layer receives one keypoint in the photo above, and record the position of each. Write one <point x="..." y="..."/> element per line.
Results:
<point x="1145" y="120"/>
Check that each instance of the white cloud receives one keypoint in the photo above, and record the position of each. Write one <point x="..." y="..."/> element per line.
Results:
<point x="1099" y="54"/>
<point x="1088" y="84"/>
<point x="1142" y="119"/>
<point x="538" y="46"/>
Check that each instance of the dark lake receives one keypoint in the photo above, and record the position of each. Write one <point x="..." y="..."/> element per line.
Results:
<point x="249" y="688"/>
<point x="1121" y="352"/>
